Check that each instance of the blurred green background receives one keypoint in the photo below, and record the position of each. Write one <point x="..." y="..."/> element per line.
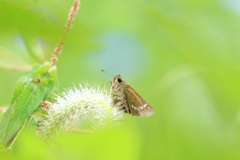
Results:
<point x="182" y="56"/>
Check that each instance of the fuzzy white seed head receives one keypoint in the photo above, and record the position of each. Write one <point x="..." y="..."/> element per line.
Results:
<point x="85" y="103"/>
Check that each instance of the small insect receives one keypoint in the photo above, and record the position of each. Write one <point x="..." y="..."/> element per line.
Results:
<point x="127" y="99"/>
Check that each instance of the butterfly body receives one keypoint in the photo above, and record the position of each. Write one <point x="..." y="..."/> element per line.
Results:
<point x="127" y="99"/>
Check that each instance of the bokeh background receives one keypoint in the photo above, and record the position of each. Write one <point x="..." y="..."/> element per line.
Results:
<point x="182" y="56"/>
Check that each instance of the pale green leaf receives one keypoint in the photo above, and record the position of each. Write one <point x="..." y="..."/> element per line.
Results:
<point x="10" y="61"/>
<point x="33" y="47"/>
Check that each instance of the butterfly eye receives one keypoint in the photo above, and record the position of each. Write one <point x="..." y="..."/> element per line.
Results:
<point x="119" y="80"/>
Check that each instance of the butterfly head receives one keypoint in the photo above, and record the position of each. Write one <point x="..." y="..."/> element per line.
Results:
<point x="118" y="79"/>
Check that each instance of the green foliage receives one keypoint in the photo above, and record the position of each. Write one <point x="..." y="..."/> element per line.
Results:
<point x="188" y="70"/>
<point x="80" y="146"/>
<point x="10" y="61"/>
<point x="29" y="92"/>
<point x="33" y="47"/>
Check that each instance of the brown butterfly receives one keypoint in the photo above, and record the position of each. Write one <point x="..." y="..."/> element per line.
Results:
<point x="128" y="100"/>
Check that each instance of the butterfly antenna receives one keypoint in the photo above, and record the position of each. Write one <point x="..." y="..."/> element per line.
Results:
<point x="106" y="72"/>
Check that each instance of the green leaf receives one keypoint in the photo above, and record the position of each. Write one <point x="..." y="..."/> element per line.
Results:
<point x="33" y="47"/>
<point x="19" y="111"/>
<point x="34" y="69"/>
<point x="27" y="96"/>
<point x="19" y="87"/>
<point x="49" y="85"/>
<point x="46" y="79"/>
<point x="53" y="73"/>
<point x="6" y="116"/>
<point x="22" y="82"/>
<point x="42" y="70"/>
<point x="10" y="61"/>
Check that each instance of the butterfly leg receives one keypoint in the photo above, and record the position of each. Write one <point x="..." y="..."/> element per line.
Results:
<point x="122" y="106"/>
<point x="120" y="101"/>
<point x="106" y="84"/>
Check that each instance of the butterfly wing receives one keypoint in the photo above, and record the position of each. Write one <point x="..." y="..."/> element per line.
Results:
<point x="136" y="104"/>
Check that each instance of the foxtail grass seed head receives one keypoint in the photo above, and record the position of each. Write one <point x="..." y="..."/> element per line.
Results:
<point x="85" y="103"/>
